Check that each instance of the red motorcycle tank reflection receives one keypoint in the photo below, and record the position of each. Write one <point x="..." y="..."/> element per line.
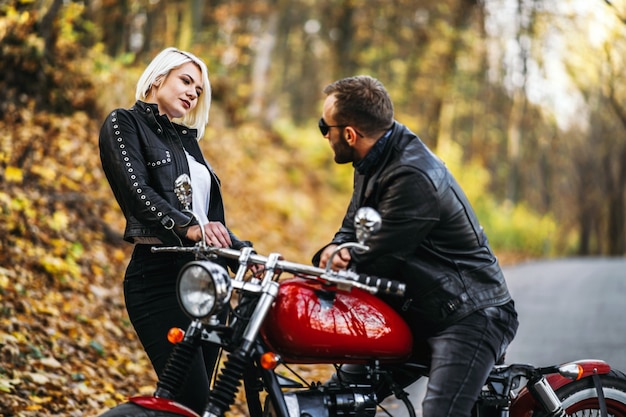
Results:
<point x="310" y="324"/>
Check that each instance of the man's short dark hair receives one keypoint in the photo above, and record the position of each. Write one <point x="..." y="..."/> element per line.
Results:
<point x="362" y="101"/>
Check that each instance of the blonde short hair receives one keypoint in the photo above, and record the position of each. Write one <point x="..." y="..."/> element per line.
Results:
<point x="167" y="60"/>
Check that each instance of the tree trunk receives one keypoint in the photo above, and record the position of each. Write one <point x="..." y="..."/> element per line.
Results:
<point x="261" y="66"/>
<point x="615" y="178"/>
<point x="186" y="31"/>
<point x="514" y="136"/>
<point x="344" y="60"/>
<point x="47" y="32"/>
<point x="462" y="16"/>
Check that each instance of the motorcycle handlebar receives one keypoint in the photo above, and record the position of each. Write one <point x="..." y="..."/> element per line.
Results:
<point x="384" y="285"/>
<point x="378" y="284"/>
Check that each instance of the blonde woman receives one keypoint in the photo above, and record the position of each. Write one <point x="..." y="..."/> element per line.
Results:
<point x="143" y="150"/>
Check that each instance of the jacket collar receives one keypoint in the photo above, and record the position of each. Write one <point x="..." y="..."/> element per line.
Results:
<point x="150" y="112"/>
<point x="367" y="164"/>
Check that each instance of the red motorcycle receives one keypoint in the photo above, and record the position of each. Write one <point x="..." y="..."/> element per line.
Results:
<point x="318" y="316"/>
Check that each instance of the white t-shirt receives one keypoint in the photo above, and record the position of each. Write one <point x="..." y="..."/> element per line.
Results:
<point x="201" y="183"/>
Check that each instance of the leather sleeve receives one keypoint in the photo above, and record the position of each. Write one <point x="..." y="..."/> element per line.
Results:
<point x="125" y="162"/>
<point x="409" y="206"/>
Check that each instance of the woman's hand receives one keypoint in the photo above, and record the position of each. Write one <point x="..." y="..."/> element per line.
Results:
<point x="216" y="234"/>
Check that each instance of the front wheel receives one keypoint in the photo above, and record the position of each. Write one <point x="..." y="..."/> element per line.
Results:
<point x="133" y="410"/>
<point x="580" y="398"/>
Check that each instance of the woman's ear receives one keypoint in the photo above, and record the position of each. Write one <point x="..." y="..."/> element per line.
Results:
<point x="157" y="81"/>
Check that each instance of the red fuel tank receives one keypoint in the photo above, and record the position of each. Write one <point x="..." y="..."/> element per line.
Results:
<point x="310" y="323"/>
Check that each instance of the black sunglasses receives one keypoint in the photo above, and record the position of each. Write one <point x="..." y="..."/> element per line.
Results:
<point x="324" y="128"/>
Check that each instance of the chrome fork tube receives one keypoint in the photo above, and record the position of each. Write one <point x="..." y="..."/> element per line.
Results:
<point x="270" y="291"/>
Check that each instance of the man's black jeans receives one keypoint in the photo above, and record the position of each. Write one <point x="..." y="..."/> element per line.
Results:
<point x="462" y="357"/>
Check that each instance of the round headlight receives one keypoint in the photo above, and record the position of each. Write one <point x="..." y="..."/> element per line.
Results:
<point x="203" y="288"/>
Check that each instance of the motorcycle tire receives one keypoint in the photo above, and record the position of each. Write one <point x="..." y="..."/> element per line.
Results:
<point x="580" y="398"/>
<point x="133" y="410"/>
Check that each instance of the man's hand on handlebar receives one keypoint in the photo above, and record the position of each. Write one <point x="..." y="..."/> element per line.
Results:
<point x="340" y="261"/>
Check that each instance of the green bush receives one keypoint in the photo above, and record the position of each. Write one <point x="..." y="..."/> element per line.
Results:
<point x="510" y="228"/>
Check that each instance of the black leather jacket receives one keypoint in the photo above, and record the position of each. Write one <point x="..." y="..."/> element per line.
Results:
<point x="142" y="153"/>
<point x="430" y="237"/>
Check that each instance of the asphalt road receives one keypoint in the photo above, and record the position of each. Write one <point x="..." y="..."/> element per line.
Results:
<point x="568" y="309"/>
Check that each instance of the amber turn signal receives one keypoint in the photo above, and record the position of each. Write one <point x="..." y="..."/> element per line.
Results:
<point x="175" y="335"/>
<point x="572" y="371"/>
<point x="270" y="360"/>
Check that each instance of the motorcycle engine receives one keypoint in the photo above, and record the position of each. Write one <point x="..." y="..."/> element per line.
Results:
<point x="327" y="401"/>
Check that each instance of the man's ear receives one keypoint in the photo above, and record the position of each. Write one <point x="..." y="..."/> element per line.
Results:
<point x="350" y="135"/>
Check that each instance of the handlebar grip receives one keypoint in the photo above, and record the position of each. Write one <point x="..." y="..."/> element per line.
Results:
<point x="384" y="285"/>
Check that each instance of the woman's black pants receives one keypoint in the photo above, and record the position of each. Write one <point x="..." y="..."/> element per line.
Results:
<point x="152" y="305"/>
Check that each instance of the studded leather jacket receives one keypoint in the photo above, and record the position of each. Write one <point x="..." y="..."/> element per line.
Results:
<point x="142" y="153"/>
<point x="430" y="237"/>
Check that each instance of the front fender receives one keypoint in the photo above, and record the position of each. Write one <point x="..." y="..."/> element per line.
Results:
<point x="524" y="404"/>
<point x="163" y="404"/>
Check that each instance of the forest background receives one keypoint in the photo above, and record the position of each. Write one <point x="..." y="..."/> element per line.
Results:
<point x="525" y="100"/>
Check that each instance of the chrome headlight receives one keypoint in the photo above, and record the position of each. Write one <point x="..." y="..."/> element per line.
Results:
<point x="203" y="288"/>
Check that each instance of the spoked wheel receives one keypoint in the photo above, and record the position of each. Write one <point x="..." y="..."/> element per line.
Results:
<point x="580" y="398"/>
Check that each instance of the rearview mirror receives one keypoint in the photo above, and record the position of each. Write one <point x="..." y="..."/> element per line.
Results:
<point x="182" y="188"/>
<point x="367" y="221"/>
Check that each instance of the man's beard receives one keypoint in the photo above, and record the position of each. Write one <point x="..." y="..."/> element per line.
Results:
<point x="343" y="152"/>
